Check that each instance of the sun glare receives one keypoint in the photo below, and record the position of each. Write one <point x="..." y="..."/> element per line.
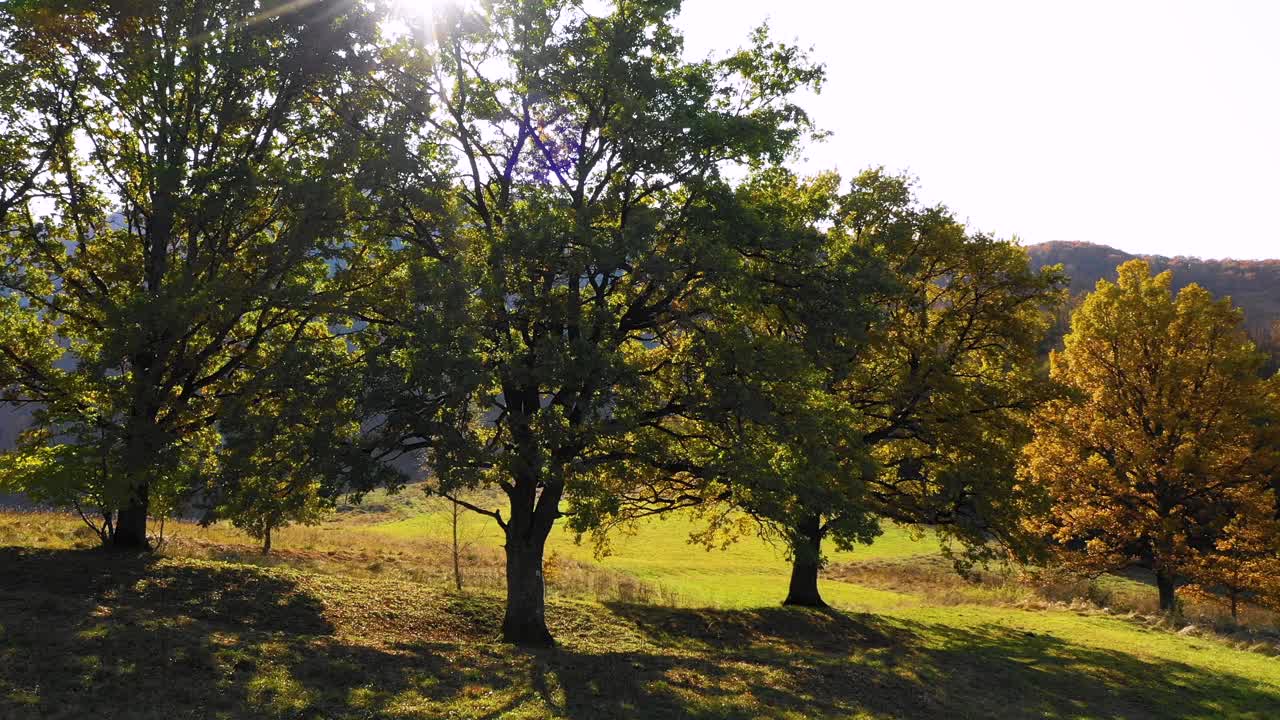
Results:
<point x="417" y="9"/>
<point x="415" y="16"/>
<point x="412" y="17"/>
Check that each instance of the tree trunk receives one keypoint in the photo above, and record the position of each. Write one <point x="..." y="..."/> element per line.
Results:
<point x="457" y="564"/>
<point x="131" y="523"/>
<point x="525" y="622"/>
<point x="1235" y="616"/>
<point x="534" y="496"/>
<point x="266" y="542"/>
<point x="807" y="560"/>
<point x="1164" y="581"/>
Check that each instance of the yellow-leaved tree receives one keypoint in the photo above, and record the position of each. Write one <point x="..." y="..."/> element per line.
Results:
<point x="1157" y="444"/>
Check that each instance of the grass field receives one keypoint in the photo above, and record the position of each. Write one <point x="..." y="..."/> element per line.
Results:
<point x="356" y="620"/>
<point x="745" y="574"/>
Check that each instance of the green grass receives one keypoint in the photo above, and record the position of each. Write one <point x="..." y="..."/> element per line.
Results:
<point x="747" y="573"/>
<point x="85" y="633"/>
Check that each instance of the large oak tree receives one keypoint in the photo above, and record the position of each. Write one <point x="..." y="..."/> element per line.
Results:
<point x="937" y="394"/>
<point x="178" y="192"/>
<point x="554" y="207"/>
<point x="1149" y="458"/>
<point x="882" y="366"/>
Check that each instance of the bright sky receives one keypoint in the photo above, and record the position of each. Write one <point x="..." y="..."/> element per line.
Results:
<point x="1149" y="125"/>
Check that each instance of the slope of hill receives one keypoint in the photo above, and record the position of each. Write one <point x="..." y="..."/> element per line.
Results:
<point x="1253" y="285"/>
<point x="90" y="634"/>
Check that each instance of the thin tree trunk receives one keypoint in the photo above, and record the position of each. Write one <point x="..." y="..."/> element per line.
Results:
<point x="131" y="523"/>
<point x="1235" y="617"/>
<point x="457" y="565"/>
<point x="1165" y="583"/>
<point x="806" y="561"/>
<point x="266" y="542"/>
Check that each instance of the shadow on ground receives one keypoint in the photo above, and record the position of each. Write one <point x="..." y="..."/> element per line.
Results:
<point x="94" y="634"/>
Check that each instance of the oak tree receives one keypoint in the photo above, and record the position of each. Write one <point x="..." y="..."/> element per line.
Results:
<point x="554" y="237"/>
<point x="937" y="395"/>
<point x="881" y="367"/>
<point x="1147" y="460"/>
<point x="181" y="193"/>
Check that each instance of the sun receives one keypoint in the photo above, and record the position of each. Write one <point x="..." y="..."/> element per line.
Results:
<point x="417" y="9"/>
<point x="418" y="18"/>
<point x="413" y="17"/>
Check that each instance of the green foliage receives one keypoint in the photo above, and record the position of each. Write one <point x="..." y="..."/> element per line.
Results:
<point x="539" y="322"/>
<point x="191" y="185"/>
<point x="943" y="389"/>
<point x="889" y="372"/>
<point x="288" y="444"/>
<point x="75" y="469"/>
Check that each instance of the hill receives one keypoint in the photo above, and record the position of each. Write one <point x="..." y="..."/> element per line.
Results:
<point x="1253" y="285"/>
<point x="356" y="620"/>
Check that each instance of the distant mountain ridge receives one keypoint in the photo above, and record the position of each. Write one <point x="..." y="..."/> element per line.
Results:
<point x="1253" y="285"/>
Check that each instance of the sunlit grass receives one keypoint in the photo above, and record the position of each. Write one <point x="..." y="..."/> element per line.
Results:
<point x="748" y="573"/>
<point x="82" y="630"/>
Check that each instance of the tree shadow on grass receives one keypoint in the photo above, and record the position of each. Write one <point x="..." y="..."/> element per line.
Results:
<point x="240" y="597"/>
<point x="770" y="662"/>
<point x="1042" y="675"/>
<point x="92" y="634"/>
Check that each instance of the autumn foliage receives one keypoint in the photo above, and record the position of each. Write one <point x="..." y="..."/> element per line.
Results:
<point x="1157" y="453"/>
<point x="1244" y="562"/>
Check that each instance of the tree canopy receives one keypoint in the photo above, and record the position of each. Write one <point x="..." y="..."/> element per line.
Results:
<point x="1157" y="455"/>
<point x="544" y="288"/>
<point x="181" y="187"/>
<point x="911" y="370"/>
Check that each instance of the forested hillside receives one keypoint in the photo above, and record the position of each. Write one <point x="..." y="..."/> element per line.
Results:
<point x="1253" y="285"/>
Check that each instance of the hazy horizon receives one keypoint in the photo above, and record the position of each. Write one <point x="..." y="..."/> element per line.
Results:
<point x="1146" y="126"/>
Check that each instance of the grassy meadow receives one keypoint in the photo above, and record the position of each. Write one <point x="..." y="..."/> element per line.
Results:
<point x="745" y="574"/>
<point x="357" y="618"/>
